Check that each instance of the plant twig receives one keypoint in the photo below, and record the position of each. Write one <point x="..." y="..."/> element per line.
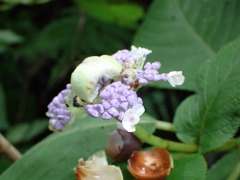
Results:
<point x="8" y="149"/>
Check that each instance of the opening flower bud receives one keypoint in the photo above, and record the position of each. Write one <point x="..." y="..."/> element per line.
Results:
<point x="155" y="164"/>
<point x="121" y="144"/>
<point x="97" y="168"/>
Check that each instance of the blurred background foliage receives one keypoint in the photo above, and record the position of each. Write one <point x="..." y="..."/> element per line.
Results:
<point x="42" y="41"/>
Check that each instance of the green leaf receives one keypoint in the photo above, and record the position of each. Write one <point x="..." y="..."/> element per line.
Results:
<point x="223" y="167"/>
<point x="56" y="156"/>
<point x="189" y="168"/>
<point x="212" y="116"/>
<point x="183" y="33"/>
<point x="9" y="37"/>
<point x="3" y="115"/>
<point x="26" y="131"/>
<point x="25" y="2"/>
<point x="122" y="13"/>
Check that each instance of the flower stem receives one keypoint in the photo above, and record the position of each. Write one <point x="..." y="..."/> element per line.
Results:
<point x="7" y="148"/>
<point x="229" y="145"/>
<point x="166" y="126"/>
<point x="146" y="137"/>
<point x="235" y="173"/>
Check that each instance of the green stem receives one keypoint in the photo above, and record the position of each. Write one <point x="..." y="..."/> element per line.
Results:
<point x="235" y="173"/>
<point x="166" y="126"/>
<point x="146" y="137"/>
<point x="229" y="145"/>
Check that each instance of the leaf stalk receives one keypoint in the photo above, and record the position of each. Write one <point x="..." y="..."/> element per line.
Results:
<point x="146" y="137"/>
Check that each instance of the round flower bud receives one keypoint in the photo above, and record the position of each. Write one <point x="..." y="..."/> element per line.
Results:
<point x="121" y="144"/>
<point x="155" y="164"/>
<point x="90" y="72"/>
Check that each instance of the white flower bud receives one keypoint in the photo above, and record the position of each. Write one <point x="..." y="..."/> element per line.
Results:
<point x="175" y="78"/>
<point x="86" y="76"/>
<point x="97" y="168"/>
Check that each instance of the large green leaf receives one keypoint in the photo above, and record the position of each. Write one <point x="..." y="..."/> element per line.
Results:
<point x="189" y="168"/>
<point x="223" y="167"/>
<point x="212" y="116"/>
<point x="56" y="156"/>
<point x="183" y="33"/>
<point x="123" y="13"/>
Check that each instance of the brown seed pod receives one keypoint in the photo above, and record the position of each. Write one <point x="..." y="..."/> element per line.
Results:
<point x="155" y="164"/>
<point x="121" y="144"/>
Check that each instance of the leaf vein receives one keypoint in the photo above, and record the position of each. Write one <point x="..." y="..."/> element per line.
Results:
<point x="194" y="31"/>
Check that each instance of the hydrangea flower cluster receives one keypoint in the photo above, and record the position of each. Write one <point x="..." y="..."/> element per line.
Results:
<point x="106" y="87"/>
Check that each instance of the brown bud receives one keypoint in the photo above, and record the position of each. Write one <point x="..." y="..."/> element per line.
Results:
<point x="121" y="144"/>
<point x="155" y="164"/>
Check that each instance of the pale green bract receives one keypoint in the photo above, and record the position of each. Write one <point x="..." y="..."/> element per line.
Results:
<point x="86" y="76"/>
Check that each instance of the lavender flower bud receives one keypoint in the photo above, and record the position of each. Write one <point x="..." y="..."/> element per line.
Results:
<point x="60" y="116"/>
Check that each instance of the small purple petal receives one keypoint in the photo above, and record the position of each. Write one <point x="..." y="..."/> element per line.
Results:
<point x="148" y="66"/>
<point x="64" y="121"/>
<point x="114" y="96"/>
<point x="99" y="86"/>
<point x="53" y="122"/>
<point x="157" y="77"/>
<point x="61" y="117"/>
<point x="93" y="113"/>
<point x="124" y="106"/>
<point x="122" y="99"/>
<point x="105" y="94"/>
<point x="115" y="103"/>
<point x="156" y="65"/>
<point x="143" y="81"/>
<point x="126" y="81"/>
<point x="69" y="86"/>
<point x="120" y="116"/>
<point x="106" y="104"/>
<point x="164" y="77"/>
<point x="105" y="79"/>
<point x="99" y="108"/>
<point x="112" y="111"/>
<point x="148" y="77"/>
<point x="140" y="71"/>
<point x="132" y="100"/>
<point x="125" y="92"/>
<point x="59" y="126"/>
<point x="106" y="116"/>
<point x="139" y="100"/>
<point x="148" y="71"/>
<point x="89" y="106"/>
